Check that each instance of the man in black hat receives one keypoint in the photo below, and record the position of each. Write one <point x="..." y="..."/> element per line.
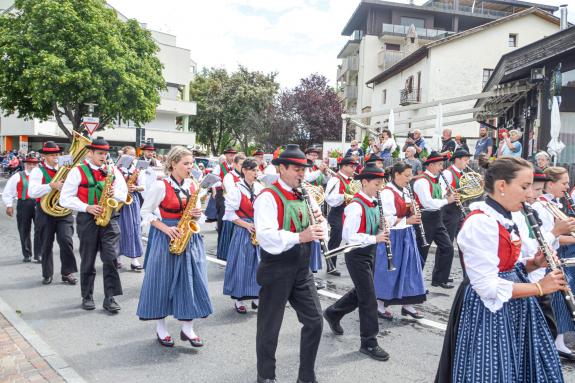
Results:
<point x="221" y="170"/>
<point x="18" y="187"/>
<point x="82" y="192"/>
<point x="429" y="194"/>
<point x="315" y="174"/>
<point x="49" y="226"/>
<point x="452" y="214"/>
<point x="361" y="228"/>
<point x="149" y="174"/>
<point x="337" y="187"/>
<point x="285" y="231"/>
<point x="258" y="155"/>
<point x="375" y="160"/>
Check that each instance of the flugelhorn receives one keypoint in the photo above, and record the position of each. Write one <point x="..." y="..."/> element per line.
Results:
<point x="555" y="212"/>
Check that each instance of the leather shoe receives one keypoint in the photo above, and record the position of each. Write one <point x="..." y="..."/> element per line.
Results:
<point x="334" y="272"/>
<point x="241" y="309"/>
<point x="415" y="315"/>
<point x="567" y="356"/>
<point x="375" y="352"/>
<point x="47" y="281"/>
<point x="265" y="380"/>
<point x="166" y="342"/>
<point x="70" y="279"/>
<point x="110" y="305"/>
<point x="385" y="315"/>
<point x="195" y="342"/>
<point x="306" y="381"/>
<point x="88" y="303"/>
<point x="254" y="306"/>
<point x="334" y="325"/>
<point x="37" y="260"/>
<point x="443" y="285"/>
<point x="136" y="268"/>
<point x="319" y="285"/>
<point x="449" y="280"/>
<point x="26" y="260"/>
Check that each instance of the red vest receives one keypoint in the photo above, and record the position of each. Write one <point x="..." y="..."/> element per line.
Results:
<point x="246" y="209"/>
<point x="455" y="176"/>
<point x="430" y="181"/>
<point x="289" y="196"/>
<point x="363" y="224"/>
<point x="84" y="188"/>
<point x="170" y="206"/>
<point x="508" y="251"/>
<point x="236" y="178"/>
<point x="343" y="182"/>
<point x="20" y="186"/>
<point x="401" y="208"/>
<point x="222" y="173"/>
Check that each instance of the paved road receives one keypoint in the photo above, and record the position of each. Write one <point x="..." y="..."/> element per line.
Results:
<point x="104" y="348"/>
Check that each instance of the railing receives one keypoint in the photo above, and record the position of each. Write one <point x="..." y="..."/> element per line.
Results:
<point x="466" y="8"/>
<point x="409" y="96"/>
<point x="350" y="63"/>
<point x="424" y="33"/>
<point x="386" y="58"/>
<point x="350" y="92"/>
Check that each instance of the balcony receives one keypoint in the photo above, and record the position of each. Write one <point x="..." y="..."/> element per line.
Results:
<point x="387" y="58"/>
<point x="350" y="92"/>
<point x="422" y="33"/>
<point x="473" y="10"/>
<point x="409" y="96"/>
<point x="177" y="107"/>
<point x="348" y="65"/>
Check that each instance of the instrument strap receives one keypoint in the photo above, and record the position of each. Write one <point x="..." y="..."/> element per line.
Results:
<point x="47" y="176"/>
<point x="177" y="191"/>
<point x="94" y="188"/>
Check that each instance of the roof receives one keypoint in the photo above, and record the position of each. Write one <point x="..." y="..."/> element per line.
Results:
<point x="508" y="3"/>
<point x="416" y="56"/>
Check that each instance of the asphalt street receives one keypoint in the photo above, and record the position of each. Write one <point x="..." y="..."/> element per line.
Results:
<point x="120" y="348"/>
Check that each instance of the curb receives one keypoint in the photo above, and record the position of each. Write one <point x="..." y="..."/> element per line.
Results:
<point x="46" y="352"/>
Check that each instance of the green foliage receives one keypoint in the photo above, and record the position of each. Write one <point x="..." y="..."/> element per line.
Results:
<point x="57" y="55"/>
<point x="365" y="143"/>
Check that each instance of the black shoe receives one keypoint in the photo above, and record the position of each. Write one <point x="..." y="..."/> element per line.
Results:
<point x="110" y="305"/>
<point x="195" y="342"/>
<point x="334" y="325"/>
<point x="47" y="281"/>
<point x="254" y="306"/>
<point x="334" y="272"/>
<point x="567" y="356"/>
<point x="26" y="260"/>
<point x="443" y="285"/>
<point x="306" y="381"/>
<point x="264" y="380"/>
<point x="386" y="315"/>
<point x="166" y="342"/>
<point x="375" y="352"/>
<point x="70" y="279"/>
<point x="319" y="284"/>
<point x="415" y="315"/>
<point x="136" y="268"/>
<point x="88" y="303"/>
<point x="449" y="280"/>
<point x="38" y="260"/>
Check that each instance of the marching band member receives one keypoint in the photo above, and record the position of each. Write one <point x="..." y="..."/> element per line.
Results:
<point x="258" y="156"/>
<point x="283" y="230"/>
<point x="173" y="284"/>
<point x="451" y="213"/>
<point x="360" y="227"/>
<point x="62" y="228"/>
<point x="130" y="219"/>
<point x="240" y="277"/>
<point x="229" y="183"/>
<point x="429" y="191"/>
<point x="148" y="174"/>
<point x="82" y="192"/>
<point x="336" y="188"/>
<point x="18" y="187"/>
<point x="221" y="170"/>
<point x="375" y="160"/>
<point x="404" y="285"/>
<point x="496" y="330"/>
<point x="315" y="174"/>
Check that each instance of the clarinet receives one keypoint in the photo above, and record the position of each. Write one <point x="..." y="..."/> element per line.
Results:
<point x="452" y="191"/>
<point x="383" y="227"/>
<point x="570" y="204"/>
<point x="544" y="247"/>
<point x="307" y="199"/>
<point x="417" y="212"/>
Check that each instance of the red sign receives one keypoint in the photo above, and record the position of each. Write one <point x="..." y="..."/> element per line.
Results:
<point x="91" y="124"/>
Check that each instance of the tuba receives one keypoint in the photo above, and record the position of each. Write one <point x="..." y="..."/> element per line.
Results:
<point x="108" y="204"/>
<point x="187" y="224"/>
<point x="49" y="202"/>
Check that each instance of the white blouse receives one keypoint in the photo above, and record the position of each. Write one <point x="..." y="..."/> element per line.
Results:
<point x="388" y="204"/>
<point x="233" y="198"/>
<point x="229" y="182"/>
<point x="479" y="242"/>
<point x="353" y="216"/>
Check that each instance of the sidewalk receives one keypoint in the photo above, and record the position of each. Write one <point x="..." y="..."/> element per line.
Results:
<point x="19" y="361"/>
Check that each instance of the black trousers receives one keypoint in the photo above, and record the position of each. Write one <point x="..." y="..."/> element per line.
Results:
<point x="25" y="215"/>
<point x="360" y="265"/>
<point x="286" y="277"/>
<point x="451" y="216"/>
<point x="61" y="228"/>
<point x="335" y="220"/>
<point x="220" y="209"/>
<point x="94" y="239"/>
<point x="436" y="232"/>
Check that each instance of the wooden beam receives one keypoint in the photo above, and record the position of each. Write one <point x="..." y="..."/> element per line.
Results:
<point x="432" y="116"/>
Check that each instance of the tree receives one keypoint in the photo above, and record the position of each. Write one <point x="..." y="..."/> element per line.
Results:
<point x="58" y="55"/>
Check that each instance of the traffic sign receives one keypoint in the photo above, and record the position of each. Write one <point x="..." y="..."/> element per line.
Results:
<point x="91" y="124"/>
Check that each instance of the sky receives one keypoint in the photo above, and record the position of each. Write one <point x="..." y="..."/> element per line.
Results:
<point x="292" y="37"/>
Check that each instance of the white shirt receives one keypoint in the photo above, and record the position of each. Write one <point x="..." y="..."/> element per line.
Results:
<point x="388" y="205"/>
<point x="271" y="169"/>
<point x="10" y="192"/>
<point x="142" y="176"/>
<point x="268" y="233"/>
<point x="37" y="188"/>
<point x="353" y="216"/>
<point x="449" y="175"/>
<point x="217" y="170"/>
<point x="69" y="193"/>
<point x="311" y="175"/>
<point x="333" y="198"/>
<point x="421" y="189"/>
<point x="547" y="219"/>
<point x="233" y="198"/>
<point x="479" y="242"/>
<point x="229" y="182"/>
<point x="150" y="209"/>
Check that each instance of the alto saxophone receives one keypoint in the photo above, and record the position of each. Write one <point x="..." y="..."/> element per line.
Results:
<point x="130" y="182"/>
<point x="107" y="203"/>
<point x="187" y="225"/>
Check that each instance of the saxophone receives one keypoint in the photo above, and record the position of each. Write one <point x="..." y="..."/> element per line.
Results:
<point x="187" y="225"/>
<point x="130" y="182"/>
<point x="108" y="204"/>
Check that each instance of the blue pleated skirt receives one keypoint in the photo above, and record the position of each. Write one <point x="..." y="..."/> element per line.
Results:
<point x="315" y="257"/>
<point x="241" y="267"/>
<point x="211" y="211"/>
<point x="224" y="239"/>
<point x="405" y="284"/>
<point x="513" y="344"/>
<point x="130" y="230"/>
<point x="562" y="316"/>
<point x="174" y="285"/>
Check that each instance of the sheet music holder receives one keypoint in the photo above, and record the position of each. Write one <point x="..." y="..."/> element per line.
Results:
<point x="125" y="162"/>
<point x="65" y="160"/>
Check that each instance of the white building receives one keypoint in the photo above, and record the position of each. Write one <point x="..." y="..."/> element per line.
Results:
<point x="167" y="129"/>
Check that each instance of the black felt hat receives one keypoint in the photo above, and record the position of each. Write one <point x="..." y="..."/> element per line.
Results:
<point x="50" y="147"/>
<point x="31" y="159"/>
<point x="347" y="161"/>
<point x="539" y="176"/>
<point x="99" y="144"/>
<point x="148" y="146"/>
<point x="292" y="155"/>
<point x="434" y="157"/>
<point x="373" y="157"/>
<point x="313" y="149"/>
<point x="230" y="151"/>
<point x="258" y="152"/>
<point x="370" y="172"/>
<point x="460" y="153"/>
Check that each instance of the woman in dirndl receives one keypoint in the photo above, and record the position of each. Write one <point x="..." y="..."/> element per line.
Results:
<point x="240" y="276"/>
<point x="404" y="285"/>
<point x="496" y="330"/>
<point x="173" y="284"/>
<point x="130" y="219"/>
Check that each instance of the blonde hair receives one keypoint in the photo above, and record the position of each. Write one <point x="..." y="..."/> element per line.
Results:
<point x="126" y="148"/>
<point x="239" y="157"/>
<point x="554" y="173"/>
<point x="175" y="155"/>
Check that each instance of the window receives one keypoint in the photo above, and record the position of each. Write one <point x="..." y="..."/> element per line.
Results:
<point x="512" y="40"/>
<point x="384" y="97"/>
<point x="392" y="47"/>
<point x="407" y="21"/>
<point x="486" y="74"/>
<point x="409" y="84"/>
<point x="418" y="86"/>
